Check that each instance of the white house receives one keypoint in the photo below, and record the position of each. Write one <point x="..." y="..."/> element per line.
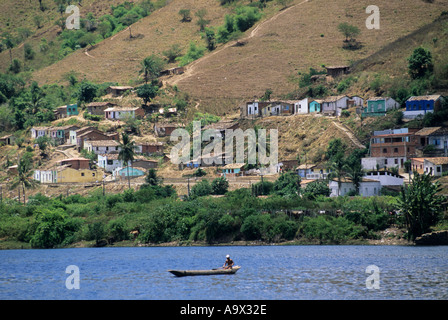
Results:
<point x="436" y="166"/>
<point x="386" y="178"/>
<point x="109" y="162"/>
<point x="102" y="146"/>
<point x="367" y="188"/>
<point x="301" y="107"/>
<point x="356" y="101"/>
<point x="119" y="113"/>
<point x="253" y="109"/>
<point x="37" y="132"/>
<point x="333" y="105"/>
<point x="45" y="176"/>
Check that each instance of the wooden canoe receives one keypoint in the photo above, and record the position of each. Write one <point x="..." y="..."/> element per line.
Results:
<point x="184" y="273"/>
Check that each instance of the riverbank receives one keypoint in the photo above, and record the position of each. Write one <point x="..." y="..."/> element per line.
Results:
<point x="390" y="236"/>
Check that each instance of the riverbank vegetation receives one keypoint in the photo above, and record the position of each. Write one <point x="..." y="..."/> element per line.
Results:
<point x="154" y="215"/>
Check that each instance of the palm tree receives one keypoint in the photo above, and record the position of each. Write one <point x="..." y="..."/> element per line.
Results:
<point x="421" y="204"/>
<point x="337" y="168"/>
<point x="355" y="173"/>
<point x="24" y="176"/>
<point x="151" y="67"/>
<point x="127" y="153"/>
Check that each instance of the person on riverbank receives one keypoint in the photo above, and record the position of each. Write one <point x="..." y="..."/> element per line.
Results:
<point x="229" y="263"/>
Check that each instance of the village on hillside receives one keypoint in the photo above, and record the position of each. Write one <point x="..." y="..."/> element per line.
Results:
<point x="91" y="156"/>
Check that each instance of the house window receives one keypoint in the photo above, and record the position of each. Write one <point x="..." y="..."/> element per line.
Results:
<point x="82" y="174"/>
<point x="438" y="169"/>
<point x="396" y="161"/>
<point x="93" y="174"/>
<point x="395" y="150"/>
<point x="385" y="150"/>
<point x="385" y="161"/>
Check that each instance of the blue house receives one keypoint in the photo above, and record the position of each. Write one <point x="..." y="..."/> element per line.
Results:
<point x="233" y="169"/>
<point x="420" y="105"/>
<point x="315" y="106"/>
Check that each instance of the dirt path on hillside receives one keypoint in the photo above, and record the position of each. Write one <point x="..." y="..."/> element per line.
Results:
<point x="349" y="134"/>
<point x="190" y="69"/>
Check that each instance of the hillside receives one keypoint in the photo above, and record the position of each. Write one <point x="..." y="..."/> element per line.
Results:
<point x="271" y="54"/>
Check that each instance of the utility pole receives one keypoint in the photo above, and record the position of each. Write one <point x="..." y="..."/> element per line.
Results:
<point x="188" y="184"/>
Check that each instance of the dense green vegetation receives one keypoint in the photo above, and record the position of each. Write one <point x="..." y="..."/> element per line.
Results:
<point x="158" y="216"/>
<point x="154" y="214"/>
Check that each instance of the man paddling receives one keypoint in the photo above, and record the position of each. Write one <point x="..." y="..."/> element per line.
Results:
<point x="229" y="263"/>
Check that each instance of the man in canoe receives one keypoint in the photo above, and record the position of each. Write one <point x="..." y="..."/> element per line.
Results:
<point x="229" y="263"/>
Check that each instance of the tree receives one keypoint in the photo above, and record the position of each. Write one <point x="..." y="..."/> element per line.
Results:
<point x="151" y="67"/>
<point x="349" y="31"/>
<point x="288" y="184"/>
<point x="210" y="38"/>
<point x="220" y="185"/>
<point x="267" y="95"/>
<point x="148" y="91"/>
<point x="355" y="173"/>
<point x="185" y="14"/>
<point x="200" y="189"/>
<point x="86" y="91"/>
<point x="201" y="21"/>
<point x="420" y="63"/>
<point x="337" y="168"/>
<point x="42" y="142"/>
<point x="335" y="148"/>
<point x="86" y="39"/>
<point x="24" y="177"/>
<point x="28" y="52"/>
<point x="127" y="153"/>
<point x="9" y="44"/>
<point x="172" y="53"/>
<point x="420" y="204"/>
<point x="317" y="188"/>
<point x="152" y="179"/>
<point x="37" y="19"/>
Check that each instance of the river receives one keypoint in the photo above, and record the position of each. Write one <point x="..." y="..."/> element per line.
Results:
<point x="267" y="273"/>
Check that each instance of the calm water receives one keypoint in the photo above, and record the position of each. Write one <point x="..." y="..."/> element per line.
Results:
<point x="267" y="273"/>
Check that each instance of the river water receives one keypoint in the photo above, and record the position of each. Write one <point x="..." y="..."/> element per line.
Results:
<point x="267" y="273"/>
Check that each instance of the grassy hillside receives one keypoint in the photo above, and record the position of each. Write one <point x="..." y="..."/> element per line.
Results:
<point x="282" y="44"/>
<point x="303" y="36"/>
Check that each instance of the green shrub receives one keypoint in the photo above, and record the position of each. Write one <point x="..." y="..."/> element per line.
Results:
<point x="330" y="229"/>
<point x="52" y="227"/>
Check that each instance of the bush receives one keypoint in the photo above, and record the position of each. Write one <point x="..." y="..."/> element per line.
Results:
<point x="330" y="229"/>
<point x="117" y="230"/>
<point x="200" y="189"/>
<point x="194" y="52"/>
<point x="235" y="24"/>
<point x="317" y="188"/>
<point x="220" y="186"/>
<point x="53" y="228"/>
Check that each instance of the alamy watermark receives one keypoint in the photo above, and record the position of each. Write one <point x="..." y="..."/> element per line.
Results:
<point x="72" y="21"/>
<point x="373" y="21"/>
<point x="73" y="280"/>
<point x="373" y="281"/>
<point x="250" y="145"/>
